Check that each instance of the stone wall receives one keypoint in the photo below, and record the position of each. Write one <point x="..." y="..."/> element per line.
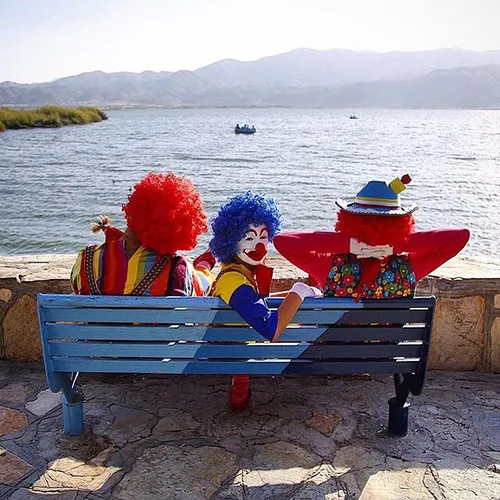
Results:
<point x="466" y="334"/>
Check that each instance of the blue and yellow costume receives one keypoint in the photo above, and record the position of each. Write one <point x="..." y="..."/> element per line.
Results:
<point x="241" y="286"/>
<point x="245" y="291"/>
<point x="243" y="228"/>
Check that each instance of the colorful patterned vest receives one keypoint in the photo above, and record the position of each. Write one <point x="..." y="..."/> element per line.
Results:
<point x="395" y="279"/>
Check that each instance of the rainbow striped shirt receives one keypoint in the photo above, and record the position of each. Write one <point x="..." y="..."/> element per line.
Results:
<point x="115" y="274"/>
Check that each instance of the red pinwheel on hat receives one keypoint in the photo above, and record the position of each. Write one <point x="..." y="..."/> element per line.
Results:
<point x="375" y="251"/>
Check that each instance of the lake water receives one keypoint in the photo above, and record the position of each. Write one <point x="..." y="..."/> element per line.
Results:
<point x="54" y="181"/>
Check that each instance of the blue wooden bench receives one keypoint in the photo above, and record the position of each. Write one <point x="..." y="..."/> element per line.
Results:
<point x="202" y="335"/>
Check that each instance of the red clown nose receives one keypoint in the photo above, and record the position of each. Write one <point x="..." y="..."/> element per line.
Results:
<point x="259" y="253"/>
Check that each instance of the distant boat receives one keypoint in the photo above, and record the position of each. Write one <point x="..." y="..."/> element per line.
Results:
<point x="245" y="129"/>
<point x="353" y="117"/>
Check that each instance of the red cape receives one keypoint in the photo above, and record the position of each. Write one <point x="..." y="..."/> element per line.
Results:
<point x="313" y="252"/>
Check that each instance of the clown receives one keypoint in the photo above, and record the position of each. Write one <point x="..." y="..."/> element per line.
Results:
<point x="375" y="252"/>
<point x="164" y="214"/>
<point x="242" y="231"/>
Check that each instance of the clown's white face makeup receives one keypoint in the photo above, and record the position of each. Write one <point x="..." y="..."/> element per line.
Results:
<point x="252" y="248"/>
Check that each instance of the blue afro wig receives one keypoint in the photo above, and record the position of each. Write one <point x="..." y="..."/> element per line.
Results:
<point x="234" y="218"/>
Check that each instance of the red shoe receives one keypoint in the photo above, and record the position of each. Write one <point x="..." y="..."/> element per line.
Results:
<point x="239" y="393"/>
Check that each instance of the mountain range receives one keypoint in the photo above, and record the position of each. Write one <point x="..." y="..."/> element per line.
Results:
<point x="444" y="78"/>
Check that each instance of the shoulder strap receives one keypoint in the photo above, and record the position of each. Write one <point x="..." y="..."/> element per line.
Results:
<point x="88" y="256"/>
<point x="147" y="280"/>
<point x="178" y="279"/>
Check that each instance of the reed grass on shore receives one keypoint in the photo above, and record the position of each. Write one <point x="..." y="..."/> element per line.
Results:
<point x="48" y="117"/>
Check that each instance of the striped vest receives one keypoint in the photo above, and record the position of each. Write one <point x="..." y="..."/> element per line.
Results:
<point x="106" y="270"/>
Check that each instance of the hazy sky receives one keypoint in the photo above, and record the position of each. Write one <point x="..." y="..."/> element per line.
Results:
<point x="42" y="40"/>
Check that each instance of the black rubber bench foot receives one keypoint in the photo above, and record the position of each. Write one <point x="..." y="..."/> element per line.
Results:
<point x="398" y="418"/>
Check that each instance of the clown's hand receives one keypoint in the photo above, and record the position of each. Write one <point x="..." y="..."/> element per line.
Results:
<point x="364" y="251"/>
<point x="317" y="292"/>
<point x="303" y="290"/>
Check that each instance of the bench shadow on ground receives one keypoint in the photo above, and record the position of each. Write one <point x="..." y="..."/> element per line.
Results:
<point x="301" y="438"/>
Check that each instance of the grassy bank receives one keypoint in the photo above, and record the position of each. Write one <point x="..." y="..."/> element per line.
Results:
<point x="48" y="117"/>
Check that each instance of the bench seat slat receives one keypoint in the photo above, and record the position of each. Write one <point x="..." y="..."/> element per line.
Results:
<point x="109" y="315"/>
<point x="265" y="350"/>
<point x="273" y="367"/>
<point x="231" y="334"/>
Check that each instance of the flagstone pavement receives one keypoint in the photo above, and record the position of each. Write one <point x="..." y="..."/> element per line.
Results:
<point x="302" y="438"/>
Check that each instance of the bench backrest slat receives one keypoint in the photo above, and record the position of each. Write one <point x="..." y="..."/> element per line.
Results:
<point x="176" y="316"/>
<point x="268" y="367"/>
<point x="302" y="350"/>
<point x="54" y="331"/>
<point x="56" y="301"/>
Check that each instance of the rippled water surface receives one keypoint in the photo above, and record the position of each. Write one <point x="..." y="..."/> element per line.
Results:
<point x="53" y="182"/>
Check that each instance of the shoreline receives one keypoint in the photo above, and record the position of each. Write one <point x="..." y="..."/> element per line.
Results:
<point x="49" y="116"/>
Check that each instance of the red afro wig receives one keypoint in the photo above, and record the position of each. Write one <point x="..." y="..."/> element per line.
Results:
<point x="375" y="229"/>
<point x="166" y="213"/>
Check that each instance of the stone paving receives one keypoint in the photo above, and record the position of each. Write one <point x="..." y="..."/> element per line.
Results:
<point x="308" y="438"/>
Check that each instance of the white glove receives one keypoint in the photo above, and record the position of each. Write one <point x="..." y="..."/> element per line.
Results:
<point x="364" y="251"/>
<point x="303" y="290"/>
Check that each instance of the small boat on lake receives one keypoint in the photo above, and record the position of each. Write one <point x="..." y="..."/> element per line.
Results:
<point x="245" y="129"/>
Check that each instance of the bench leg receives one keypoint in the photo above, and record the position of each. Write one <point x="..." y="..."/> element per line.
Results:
<point x="398" y="406"/>
<point x="398" y="417"/>
<point x="72" y="416"/>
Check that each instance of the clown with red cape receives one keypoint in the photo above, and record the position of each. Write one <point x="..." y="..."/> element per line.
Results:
<point x="375" y="251"/>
